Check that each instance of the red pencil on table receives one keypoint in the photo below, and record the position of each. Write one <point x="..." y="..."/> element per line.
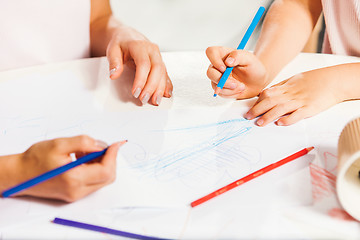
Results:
<point x="251" y="176"/>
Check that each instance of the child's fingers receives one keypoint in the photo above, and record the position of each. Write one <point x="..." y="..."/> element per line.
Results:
<point x="228" y="93"/>
<point x="115" y="59"/>
<point x="231" y="83"/>
<point x="276" y="112"/>
<point x="216" y="58"/>
<point x="213" y="74"/>
<point x="239" y="58"/>
<point x="260" y="108"/>
<point x="157" y="73"/>
<point x="270" y="93"/>
<point x="294" y="117"/>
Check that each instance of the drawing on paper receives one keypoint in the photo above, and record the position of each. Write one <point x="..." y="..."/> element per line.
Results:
<point x="211" y="149"/>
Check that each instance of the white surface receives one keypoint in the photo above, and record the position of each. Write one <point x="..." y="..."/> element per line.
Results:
<point x="295" y="201"/>
<point x="183" y="25"/>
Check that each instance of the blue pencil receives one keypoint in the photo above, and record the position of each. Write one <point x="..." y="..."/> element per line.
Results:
<point x="52" y="173"/>
<point x="91" y="227"/>
<point x="241" y="46"/>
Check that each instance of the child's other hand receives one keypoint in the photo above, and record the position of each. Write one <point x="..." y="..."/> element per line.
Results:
<point x="75" y="183"/>
<point x="292" y="100"/>
<point x="151" y="79"/>
<point x="248" y="78"/>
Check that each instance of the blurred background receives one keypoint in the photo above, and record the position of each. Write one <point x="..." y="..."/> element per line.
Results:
<point x="185" y="25"/>
<point x="188" y="25"/>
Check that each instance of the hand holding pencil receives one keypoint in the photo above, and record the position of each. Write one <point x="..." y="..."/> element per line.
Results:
<point x="36" y="170"/>
<point x="237" y="73"/>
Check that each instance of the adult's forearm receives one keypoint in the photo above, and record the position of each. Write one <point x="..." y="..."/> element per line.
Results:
<point x="104" y="29"/>
<point x="9" y="171"/>
<point x="286" y="29"/>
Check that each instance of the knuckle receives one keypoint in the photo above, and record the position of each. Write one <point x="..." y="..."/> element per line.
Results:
<point x="208" y="72"/>
<point x="144" y="63"/>
<point x="281" y="107"/>
<point x="85" y="140"/>
<point x="154" y="47"/>
<point x="209" y="50"/>
<point x="158" y="66"/>
<point x="267" y="92"/>
<point x="56" y="145"/>
<point x="235" y="54"/>
<point x="286" y="121"/>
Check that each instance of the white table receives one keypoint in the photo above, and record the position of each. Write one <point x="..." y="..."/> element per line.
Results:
<point x="318" y="218"/>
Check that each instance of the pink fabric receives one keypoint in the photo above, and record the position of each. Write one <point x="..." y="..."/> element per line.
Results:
<point x="42" y="31"/>
<point x="342" y="20"/>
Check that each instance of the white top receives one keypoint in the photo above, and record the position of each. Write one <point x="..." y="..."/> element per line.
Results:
<point x="342" y="34"/>
<point x="41" y="31"/>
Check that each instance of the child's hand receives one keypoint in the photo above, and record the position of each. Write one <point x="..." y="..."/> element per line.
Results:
<point x="75" y="183"/>
<point x="299" y="97"/>
<point x="248" y="77"/>
<point x="151" y="78"/>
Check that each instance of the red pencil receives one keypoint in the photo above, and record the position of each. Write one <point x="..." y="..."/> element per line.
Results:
<point x="251" y="176"/>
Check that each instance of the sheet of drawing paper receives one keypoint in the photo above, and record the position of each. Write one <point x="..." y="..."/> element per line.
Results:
<point x="176" y="153"/>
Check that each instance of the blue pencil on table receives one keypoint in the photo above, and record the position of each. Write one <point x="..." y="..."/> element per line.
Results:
<point x="53" y="173"/>
<point x="241" y="46"/>
<point x="96" y="228"/>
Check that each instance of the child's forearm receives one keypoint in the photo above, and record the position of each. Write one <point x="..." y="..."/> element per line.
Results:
<point x="347" y="80"/>
<point x="9" y="171"/>
<point x="285" y="31"/>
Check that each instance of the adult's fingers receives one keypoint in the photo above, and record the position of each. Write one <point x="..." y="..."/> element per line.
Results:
<point x="139" y="54"/>
<point x="115" y="59"/>
<point x="156" y="78"/>
<point x="103" y="170"/>
<point x="81" y="143"/>
<point x="168" y="88"/>
<point x="159" y="92"/>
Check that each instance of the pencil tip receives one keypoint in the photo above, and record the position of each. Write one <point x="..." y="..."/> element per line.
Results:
<point x="309" y="149"/>
<point x="215" y="94"/>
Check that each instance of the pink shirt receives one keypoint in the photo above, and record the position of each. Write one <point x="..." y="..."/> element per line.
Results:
<point x="42" y="31"/>
<point x="342" y="34"/>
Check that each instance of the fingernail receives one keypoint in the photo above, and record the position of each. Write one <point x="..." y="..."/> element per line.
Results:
<point x="247" y="116"/>
<point x="119" y="144"/>
<point x="101" y="144"/>
<point x="230" y="60"/>
<point x="222" y="68"/>
<point x="170" y="93"/>
<point x="137" y="92"/>
<point x="123" y="142"/>
<point x="158" y="99"/>
<point x="145" y="99"/>
<point x="233" y="85"/>
<point x="112" y="71"/>
<point x="260" y="122"/>
<point x="279" y="123"/>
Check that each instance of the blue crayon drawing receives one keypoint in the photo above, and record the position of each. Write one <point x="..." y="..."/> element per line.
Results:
<point x="213" y="149"/>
